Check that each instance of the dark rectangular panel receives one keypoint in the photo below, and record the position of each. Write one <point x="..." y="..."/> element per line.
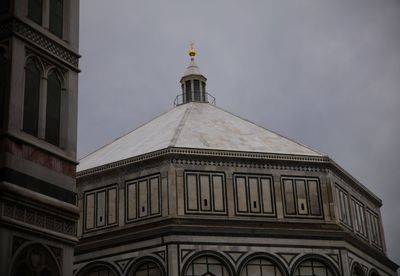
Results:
<point x="132" y="200"/>
<point x="192" y="194"/>
<point x="254" y="194"/>
<point x="112" y="206"/>
<point x="89" y="211"/>
<point x="143" y="199"/>
<point x="301" y="193"/>
<point x="289" y="197"/>
<point x="218" y="193"/>
<point x="101" y="208"/>
<point x="314" y="197"/>
<point x="196" y="86"/>
<point x="241" y="194"/>
<point x="205" y="193"/>
<point x="267" y="196"/>
<point x="155" y="195"/>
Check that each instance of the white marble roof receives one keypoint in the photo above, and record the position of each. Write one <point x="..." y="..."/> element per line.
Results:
<point x="195" y="125"/>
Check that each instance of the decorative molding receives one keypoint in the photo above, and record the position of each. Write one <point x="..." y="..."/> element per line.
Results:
<point x="195" y="155"/>
<point x="17" y="243"/>
<point x="38" y="218"/>
<point x="249" y="165"/>
<point x="234" y="255"/>
<point x="58" y="253"/>
<point x="350" y="260"/>
<point x="185" y="253"/>
<point x="25" y="31"/>
<point x="335" y="258"/>
<point x="288" y="257"/>
<point x="123" y="264"/>
<point x="161" y="254"/>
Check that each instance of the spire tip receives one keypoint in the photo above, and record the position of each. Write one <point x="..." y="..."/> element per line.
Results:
<point x="192" y="51"/>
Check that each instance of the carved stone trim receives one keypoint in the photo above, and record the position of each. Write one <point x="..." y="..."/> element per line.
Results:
<point x="25" y="31"/>
<point x="17" y="243"/>
<point x="38" y="218"/>
<point x="208" y="153"/>
<point x="248" y="165"/>
<point x="58" y="253"/>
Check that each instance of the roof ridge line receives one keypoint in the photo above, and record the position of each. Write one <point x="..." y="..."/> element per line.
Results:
<point x="276" y="133"/>
<point x="178" y="131"/>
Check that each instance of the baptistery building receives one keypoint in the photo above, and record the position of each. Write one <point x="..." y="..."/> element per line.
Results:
<point x="200" y="191"/>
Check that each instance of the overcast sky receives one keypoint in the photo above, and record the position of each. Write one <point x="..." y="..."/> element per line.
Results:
<point x="324" y="73"/>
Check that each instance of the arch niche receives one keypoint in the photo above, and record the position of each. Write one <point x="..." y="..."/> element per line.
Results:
<point x="207" y="264"/>
<point x="262" y="265"/>
<point x="314" y="265"/>
<point x="147" y="266"/>
<point x="97" y="269"/>
<point x="35" y="260"/>
<point x="357" y="270"/>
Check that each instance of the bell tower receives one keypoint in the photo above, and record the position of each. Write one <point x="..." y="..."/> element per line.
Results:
<point x="39" y="57"/>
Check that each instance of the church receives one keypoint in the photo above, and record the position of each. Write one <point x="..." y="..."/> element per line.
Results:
<point x="197" y="191"/>
<point x="200" y="191"/>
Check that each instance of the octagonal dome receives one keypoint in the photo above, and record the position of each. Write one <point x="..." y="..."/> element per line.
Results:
<point x="195" y="125"/>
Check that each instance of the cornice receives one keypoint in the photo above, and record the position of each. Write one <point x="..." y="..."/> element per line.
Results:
<point x="21" y="29"/>
<point x="173" y="152"/>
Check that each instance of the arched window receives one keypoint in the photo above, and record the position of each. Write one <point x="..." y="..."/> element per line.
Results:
<point x="196" y="89"/>
<point x="35" y="10"/>
<point x="99" y="271"/>
<point x="147" y="269"/>
<point x="374" y="273"/>
<point x="188" y="91"/>
<point x="312" y="267"/>
<point x="206" y="266"/>
<point x="31" y="98"/>
<point x="56" y="17"/>
<point x="261" y="267"/>
<point x="4" y="6"/>
<point x="357" y="270"/>
<point x="53" y="109"/>
<point x="35" y="260"/>
<point x="4" y="79"/>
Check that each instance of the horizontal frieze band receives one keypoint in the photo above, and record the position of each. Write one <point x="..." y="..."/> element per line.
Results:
<point x="203" y="153"/>
<point x="38" y="218"/>
<point x="37" y="185"/>
<point x="18" y="27"/>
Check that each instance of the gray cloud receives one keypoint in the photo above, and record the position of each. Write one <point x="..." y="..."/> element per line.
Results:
<point x="325" y="73"/>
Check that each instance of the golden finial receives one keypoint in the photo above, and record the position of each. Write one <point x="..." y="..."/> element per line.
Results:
<point x="192" y="51"/>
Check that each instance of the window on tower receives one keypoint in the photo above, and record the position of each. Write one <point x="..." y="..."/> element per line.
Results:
<point x="196" y="85"/>
<point x="188" y="93"/>
<point x="31" y="98"/>
<point x="203" y="88"/>
<point x="56" y="17"/>
<point x="35" y="10"/>
<point x="53" y="107"/>
<point x="4" y="6"/>
<point x="42" y="102"/>
<point x="4" y="71"/>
